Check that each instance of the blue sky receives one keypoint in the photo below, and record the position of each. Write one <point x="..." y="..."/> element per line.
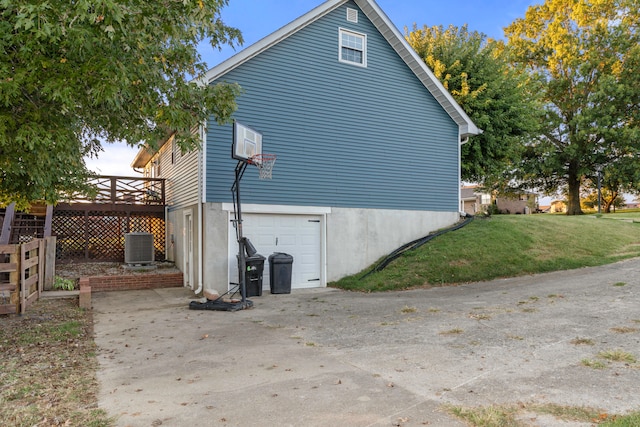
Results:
<point x="259" y="18"/>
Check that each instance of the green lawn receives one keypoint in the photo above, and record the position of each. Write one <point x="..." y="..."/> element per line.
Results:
<point x="507" y="246"/>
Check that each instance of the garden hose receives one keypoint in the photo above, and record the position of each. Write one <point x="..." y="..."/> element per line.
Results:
<point x="415" y="245"/>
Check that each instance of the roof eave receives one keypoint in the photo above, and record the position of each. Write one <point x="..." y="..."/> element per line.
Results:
<point x="273" y="38"/>
<point x="142" y="158"/>
<point x="146" y="153"/>
<point x="417" y="65"/>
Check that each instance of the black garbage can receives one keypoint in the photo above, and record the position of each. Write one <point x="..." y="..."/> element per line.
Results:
<point x="280" y="266"/>
<point x="253" y="275"/>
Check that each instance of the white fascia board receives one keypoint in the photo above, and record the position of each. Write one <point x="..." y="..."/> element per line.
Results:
<point x="417" y="65"/>
<point x="272" y="39"/>
<point x="145" y="153"/>
<point x="143" y="156"/>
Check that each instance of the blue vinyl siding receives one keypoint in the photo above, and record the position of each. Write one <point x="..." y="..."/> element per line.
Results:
<point x="345" y="135"/>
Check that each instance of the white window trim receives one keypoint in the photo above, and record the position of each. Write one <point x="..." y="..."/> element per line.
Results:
<point x="342" y="31"/>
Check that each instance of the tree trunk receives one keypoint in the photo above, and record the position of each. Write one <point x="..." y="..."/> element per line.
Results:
<point x="607" y="202"/>
<point x="573" y="207"/>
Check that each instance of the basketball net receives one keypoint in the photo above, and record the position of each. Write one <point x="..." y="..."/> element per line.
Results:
<point x="264" y="163"/>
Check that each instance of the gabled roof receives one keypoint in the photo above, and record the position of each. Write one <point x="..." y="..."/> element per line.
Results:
<point x="145" y="153"/>
<point x="467" y="193"/>
<point x="382" y="22"/>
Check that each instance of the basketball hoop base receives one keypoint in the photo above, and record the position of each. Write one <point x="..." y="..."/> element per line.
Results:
<point x="217" y="305"/>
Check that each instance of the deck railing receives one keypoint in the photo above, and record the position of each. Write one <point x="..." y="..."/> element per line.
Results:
<point x="126" y="190"/>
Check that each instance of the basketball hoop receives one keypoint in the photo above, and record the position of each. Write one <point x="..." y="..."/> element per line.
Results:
<point x="264" y="162"/>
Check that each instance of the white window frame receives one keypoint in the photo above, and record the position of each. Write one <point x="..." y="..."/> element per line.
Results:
<point x="363" y="37"/>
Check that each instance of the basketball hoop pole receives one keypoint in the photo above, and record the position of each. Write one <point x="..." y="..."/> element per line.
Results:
<point x="242" y="260"/>
<point x="247" y="149"/>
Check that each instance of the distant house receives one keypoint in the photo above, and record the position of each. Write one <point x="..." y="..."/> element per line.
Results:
<point x="558" y="206"/>
<point x="368" y="144"/>
<point x="473" y="201"/>
<point x="519" y="203"/>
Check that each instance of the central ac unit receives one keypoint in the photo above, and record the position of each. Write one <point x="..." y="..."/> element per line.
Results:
<point x="138" y="248"/>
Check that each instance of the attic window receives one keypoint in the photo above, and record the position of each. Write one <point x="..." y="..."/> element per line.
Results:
<point x="353" y="48"/>
<point x="352" y="15"/>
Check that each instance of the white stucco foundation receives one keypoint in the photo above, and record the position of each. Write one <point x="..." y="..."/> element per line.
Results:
<point x="356" y="238"/>
<point x="352" y="239"/>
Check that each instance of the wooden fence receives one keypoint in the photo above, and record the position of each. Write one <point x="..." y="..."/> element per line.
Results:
<point x="25" y="270"/>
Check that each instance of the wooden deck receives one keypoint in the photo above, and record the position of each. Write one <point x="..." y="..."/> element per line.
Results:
<point x="92" y="229"/>
<point x="121" y="194"/>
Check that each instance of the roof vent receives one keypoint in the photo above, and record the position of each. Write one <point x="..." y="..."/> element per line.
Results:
<point x="352" y="15"/>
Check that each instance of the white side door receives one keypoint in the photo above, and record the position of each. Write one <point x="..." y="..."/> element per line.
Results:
<point x="187" y="234"/>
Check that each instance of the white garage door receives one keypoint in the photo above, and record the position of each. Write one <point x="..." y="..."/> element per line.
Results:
<point x="296" y="235"/>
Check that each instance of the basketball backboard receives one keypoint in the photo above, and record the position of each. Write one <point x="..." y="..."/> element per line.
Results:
<point x="246" y="142"/>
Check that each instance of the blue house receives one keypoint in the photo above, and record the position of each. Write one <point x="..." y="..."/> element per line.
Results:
<point x="367" y="143"/>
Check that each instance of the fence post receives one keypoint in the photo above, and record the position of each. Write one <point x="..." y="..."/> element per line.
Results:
<point x="49" y="263"/>
<point x="5" y="234"/>
<point x="86" y="235"/>
<point x="48" y="221"/>
<point x="40" y="285"/>
<point x="14" y="277"/>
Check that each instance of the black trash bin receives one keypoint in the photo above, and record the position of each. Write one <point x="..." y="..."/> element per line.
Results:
<point x="280" y="266"/>
<point x="253" y="275"/>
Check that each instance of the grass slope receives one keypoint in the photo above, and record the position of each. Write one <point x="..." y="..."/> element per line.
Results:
<point x="507" y="246"/>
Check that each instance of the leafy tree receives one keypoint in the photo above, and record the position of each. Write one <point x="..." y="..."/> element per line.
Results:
<point x="608" y="198"/>
<point x="73" y="73"/>
<point x="620" y="176"/>
<point x="495" y="95"/>
<point x="587" y="53"/>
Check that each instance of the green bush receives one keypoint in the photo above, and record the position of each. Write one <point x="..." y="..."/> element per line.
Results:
<point x="62" y="284"/>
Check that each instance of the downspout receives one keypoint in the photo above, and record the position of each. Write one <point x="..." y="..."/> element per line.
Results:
<point x="200" y="210"/>
<point x="462" y="141"/>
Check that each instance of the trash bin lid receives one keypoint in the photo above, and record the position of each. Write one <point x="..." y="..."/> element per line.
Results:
<point x="280" y="258"/>
<point x="256" y="257"/>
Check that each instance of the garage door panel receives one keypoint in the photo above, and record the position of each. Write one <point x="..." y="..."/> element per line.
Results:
<point x="283" y="239"/>
<point x="297" y="235"/>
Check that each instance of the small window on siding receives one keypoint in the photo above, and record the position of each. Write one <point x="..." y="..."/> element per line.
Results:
<point x="353" y="48"/>
<point x="352" y="15"/>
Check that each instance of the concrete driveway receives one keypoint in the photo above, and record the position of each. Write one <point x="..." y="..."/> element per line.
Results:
<point x="326" y="357"/>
